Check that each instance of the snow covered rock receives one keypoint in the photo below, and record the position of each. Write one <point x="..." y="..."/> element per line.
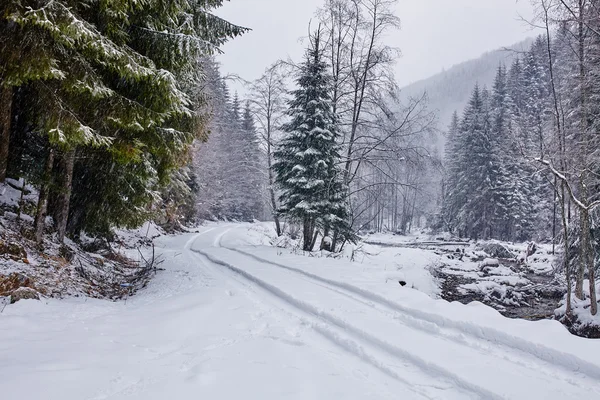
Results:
<point x="522" y="258"/>
<point x="396" y="277"/>
<point x="13" y="250"/>
<point x="496" y="250"/>
<point x="12" y="282"/>
<point x="24" y="293"/>
<point x="581" y="322"/>
<point x="490" y="262"/>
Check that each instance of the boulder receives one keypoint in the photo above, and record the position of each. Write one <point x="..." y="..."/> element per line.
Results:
<point x="13" y="249"/>
<point x="24" y="293"/>
<point x="66" y="252"/>
<point x="12" y="282"/>
<point x="496" y="250"/>
<point x="490" y="262"/>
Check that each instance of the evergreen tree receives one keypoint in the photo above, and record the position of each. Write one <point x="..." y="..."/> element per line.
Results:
<point x="514" y="194"/>
<point x="492" y="190"/>
<point x="211" y="156"/>
<point x="253" y="184"/>
<point x="475" y="195"/>
<point x="307" y="159"/>
<point x="236" y="110"/>
<point x="515" y="86"/>
<point x="108" y="87"/>
<point x="228" y="166"/>
<point x="451" y="171"/>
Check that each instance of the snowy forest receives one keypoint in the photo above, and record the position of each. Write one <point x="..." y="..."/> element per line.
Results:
<point x="169" y="226"/>
<point x="100" y="105"/>
<point x="117" y="117"/>
<point x="521" y="161"/>
<point x="381" y="151"/>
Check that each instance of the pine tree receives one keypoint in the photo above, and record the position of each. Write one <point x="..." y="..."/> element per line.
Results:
<point x="452" y="153"/>
<point x="490" y="187"/>
<point x="253" y="184"/>
<point x="228" y="166"/>
<point x="530" y="126"/>
<point x="109" y="87"/>
<point x="515" y="86"/>
<point x="210" y="156"/>
<point x="514" y="193"/>
<point x="475" y="194"/>
<point x="307" y="159"/>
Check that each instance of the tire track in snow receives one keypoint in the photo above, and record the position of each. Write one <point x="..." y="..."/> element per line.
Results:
<point x="193" y="239"/>
<point x="428" y="322"/>
<point x="434" y="331"/>
<point x="427" y="367"/>
<point x="338" y="340"/>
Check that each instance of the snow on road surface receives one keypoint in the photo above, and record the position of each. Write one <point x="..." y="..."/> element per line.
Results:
<point x="231" y="319"/>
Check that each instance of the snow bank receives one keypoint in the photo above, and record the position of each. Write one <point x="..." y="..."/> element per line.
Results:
<point x="580" y="310"/>
<point x="547" y="340"/>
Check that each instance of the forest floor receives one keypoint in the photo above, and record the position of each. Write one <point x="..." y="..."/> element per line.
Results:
<point x="90" y="268"/>
<point x="231" y="315"/>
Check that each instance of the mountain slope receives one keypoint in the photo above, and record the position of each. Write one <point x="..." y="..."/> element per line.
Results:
<point x="449" y="90"/>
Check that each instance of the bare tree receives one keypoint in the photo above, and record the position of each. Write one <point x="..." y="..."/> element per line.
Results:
<point x="377" y="130"/>
<point x="361" y="63"/>
<point x="268" y="101"/>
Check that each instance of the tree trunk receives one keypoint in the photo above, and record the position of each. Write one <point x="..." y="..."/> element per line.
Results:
<point x="582" y="257"/>
<point x="325" y="246"/>
<point x="274" y="203"/>
<point x="307" y="234"/>
<point x="554" y="218"/>
<point x="334" y="242"/>
<point x="21" y="200"/>
<point x="587" y="262"/>
<point x="64" y="198"/>
<point x="593" y="299"/>
<point x="567" y="267"/>
<point x="6" y="99"/>
<point x="314" y="239"/>
<point x="412" y="213"/>
<point x="272" y="179"/>
<point x="42" y="205"/>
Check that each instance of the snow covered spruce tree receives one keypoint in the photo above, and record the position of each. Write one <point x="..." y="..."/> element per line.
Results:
<point x="491" y="190"/>
<point x="514" y="186"/>
<point x="451" y="200"/>
<point x="228" y="165"/>
<point x="106" y="92"/>
<point x="307" y="159"/>
<point x="253" y="186"/>
<point x="474" y="194"/>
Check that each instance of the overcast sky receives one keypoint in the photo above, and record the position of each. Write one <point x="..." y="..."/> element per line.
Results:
<point x="435" y="34"/>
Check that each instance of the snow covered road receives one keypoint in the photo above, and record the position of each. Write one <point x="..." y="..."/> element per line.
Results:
<point x="230" y="319"/>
